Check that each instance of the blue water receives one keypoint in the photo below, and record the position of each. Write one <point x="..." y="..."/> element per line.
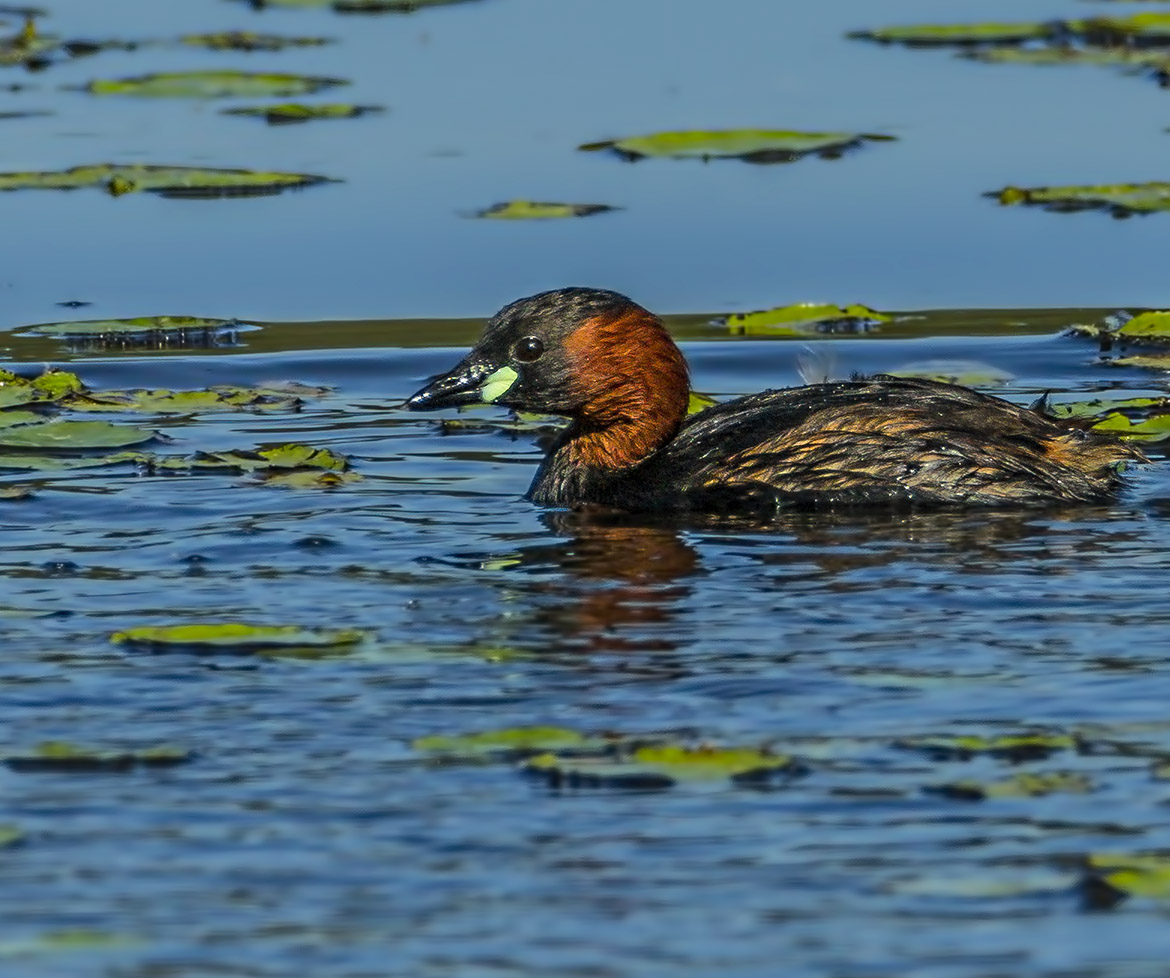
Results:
<point x="307" y="835"/>
<point x="488" y="101"/>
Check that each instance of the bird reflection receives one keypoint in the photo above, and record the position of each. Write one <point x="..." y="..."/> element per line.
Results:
<point x="624" y="584"/>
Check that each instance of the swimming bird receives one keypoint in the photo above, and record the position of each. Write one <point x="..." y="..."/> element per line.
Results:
<point x="611" y="367"/>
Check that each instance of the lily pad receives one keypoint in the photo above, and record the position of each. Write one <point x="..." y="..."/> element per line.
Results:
<point x="1010" y="747"/>
<point x="143" y="330"/>
<point x="287" y="456"/>
<point x="64" y="941"/>
<point x="1019" y="786"/>
<point x="1114" y="876"/>
<point x="1155" y="428"/>
<point x="182" y="402"/>
<point x="58" y="755"/>
<point x="58" y="434"/>
<point x="35" y="50"/>
<point x="752" y="145"/>
<point x="937" y="35"/>
<point x="1145" y="361"/>
<point x="388" y="6"/>
<point x="236" y="637"/>
<point x="167" y="181"/>
<point x="805" y="318"/>
<point x="1152" y="326"/>
<point x="48" y="387"/>
<point x="1067" y="55"/>
<point x="699" y="402"/>
<point x="1101" y="406"/>
<point x="529" y="210"/>
<point x="969" y="373"/>
<point x="250" y="41"/>
<point x="357" y="6"/>
<point x="213" y="84"/>
<point x="293" y="112"/>
<point x="513" y="743"/>
<point x="305" y="479"/>
<point x="1119" y="199"/>
<point x="655" y="767"/>
<point x="63" y="463"/>
<point x="1145" y="29"/>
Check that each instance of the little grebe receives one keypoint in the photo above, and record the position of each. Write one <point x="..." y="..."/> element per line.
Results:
<point x="610" y="366"/>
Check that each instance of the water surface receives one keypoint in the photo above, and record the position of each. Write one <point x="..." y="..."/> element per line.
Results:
<point x="307" y="836"/>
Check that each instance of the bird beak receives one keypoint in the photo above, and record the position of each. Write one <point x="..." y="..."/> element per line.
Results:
<point x="471" y="382"/>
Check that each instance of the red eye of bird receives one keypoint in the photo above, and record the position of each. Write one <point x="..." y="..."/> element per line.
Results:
<point x="528" y="349"/>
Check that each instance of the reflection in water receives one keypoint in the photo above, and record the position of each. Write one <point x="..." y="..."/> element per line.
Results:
<point x="623" y="585"/>
<point x="626" y="583"/>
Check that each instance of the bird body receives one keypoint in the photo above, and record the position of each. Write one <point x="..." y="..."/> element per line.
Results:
<point x="611" y="367"/>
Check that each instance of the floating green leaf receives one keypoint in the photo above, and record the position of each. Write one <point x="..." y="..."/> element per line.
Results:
<point x="1010" y="747"/>
<point x="183" y="402"/>
<point x="58" y="434"/>
<point x="34" y="50"/>
<point x="512" y="743"/>
<point x="63" y="941"/>
<point x="15" y="493"/>
<point x="213" y="84"/>
<point x="699" y="402"/>
<point x="935" y="35"/>
<point x="13" y="395"/>
<point x="146" y="326"/>
<point x="237" y="636"/>
<point x="528" y="210"/>
<point x="805" y="318"/>
<point x="250" y="41"/>
<point x="275" y="459"/>
<point x="1151" y="326"/>
<point x="1065" y="55"/>
<point x="1019" y="786"/>
<point x="63" y="463"/>
<point x="1101" y="406"/>
<point x="287" y="456"/>
<point x="1130" y="875"/>
<point x="293" y="112"/>
<point x="969" y="373"/>
<point x="1119" y="199"/>
<point x="10" y="835"/>
<point x="306" y="479"/>
<point x="386" y="6"/>
<point x="655" y="767"/>
<point x="358" y="6"/>
<point x="1155" y="428"/>
<point x="168" y="181"/>
<point x="1144" y="361"/>
<point x="752" y="145"/>
<point x="59" y="755"/>
<point x="1139" y="29"/>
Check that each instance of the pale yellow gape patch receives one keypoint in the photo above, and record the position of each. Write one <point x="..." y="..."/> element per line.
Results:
<point x="497" y="384"/>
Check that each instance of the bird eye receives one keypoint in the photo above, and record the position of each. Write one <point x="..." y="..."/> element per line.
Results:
<point x="528" y="350"/>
